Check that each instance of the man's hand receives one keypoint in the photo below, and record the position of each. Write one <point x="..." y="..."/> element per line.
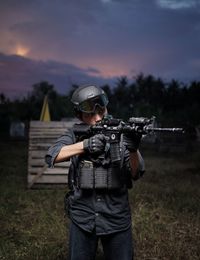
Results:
<point x="132" y="141"/>
<point x="95" y="144"/>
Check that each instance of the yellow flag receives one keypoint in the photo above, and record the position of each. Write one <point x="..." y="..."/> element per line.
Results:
<point x="45" y="115"/>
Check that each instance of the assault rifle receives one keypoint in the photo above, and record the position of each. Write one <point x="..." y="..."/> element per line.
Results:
<point x="113" y="128"/>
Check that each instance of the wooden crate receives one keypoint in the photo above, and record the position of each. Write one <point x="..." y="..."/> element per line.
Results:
<point x="41" y="136"/>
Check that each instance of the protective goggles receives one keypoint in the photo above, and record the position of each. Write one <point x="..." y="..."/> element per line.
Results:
<point x="89" y="105"/>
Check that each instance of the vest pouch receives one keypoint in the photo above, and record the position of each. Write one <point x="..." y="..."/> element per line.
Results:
<point x="101" y="178"/>
<point x="86" y="175"/>
<point x="114" y="180"/>
<point x="91" y="177"/>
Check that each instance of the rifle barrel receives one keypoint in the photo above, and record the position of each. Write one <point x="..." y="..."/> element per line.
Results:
<point x="160" y="129"/>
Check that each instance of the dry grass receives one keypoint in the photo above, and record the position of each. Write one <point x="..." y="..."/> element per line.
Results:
<point x="165" y="206"/>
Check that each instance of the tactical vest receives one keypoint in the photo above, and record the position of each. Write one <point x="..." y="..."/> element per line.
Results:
<point x="98" y="177"/>
<point x="90" y="172"/>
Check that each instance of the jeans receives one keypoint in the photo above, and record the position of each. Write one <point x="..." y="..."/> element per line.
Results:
<point x="83" y="245"/>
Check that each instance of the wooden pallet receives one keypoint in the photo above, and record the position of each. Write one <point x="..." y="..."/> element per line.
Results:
<point x="41" y="136"/>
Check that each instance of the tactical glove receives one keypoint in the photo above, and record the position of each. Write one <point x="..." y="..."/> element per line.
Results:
<point x="95" y="144"/>
<point x="132" y="141"/>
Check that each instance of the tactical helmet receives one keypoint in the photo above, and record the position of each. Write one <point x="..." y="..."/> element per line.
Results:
<point x="86" y="98"/>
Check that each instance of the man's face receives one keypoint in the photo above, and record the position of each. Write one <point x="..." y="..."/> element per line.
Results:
<point x="93" y="118"/>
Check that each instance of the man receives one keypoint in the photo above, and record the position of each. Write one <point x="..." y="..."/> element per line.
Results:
<point x="98" y="204"/>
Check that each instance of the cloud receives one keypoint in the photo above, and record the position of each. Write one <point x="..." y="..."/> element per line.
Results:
<point x="106" y="1"/>
<point x="19" y="74"/>
<point x="178" y="4"/>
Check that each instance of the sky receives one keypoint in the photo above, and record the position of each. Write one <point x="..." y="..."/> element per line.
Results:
<point x="80" y="42"/>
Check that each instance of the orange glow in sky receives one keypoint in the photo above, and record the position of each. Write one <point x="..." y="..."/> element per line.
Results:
<point x="110" y="70"/>
<point x="106" y="68"/>
<point x="21" y="50"/>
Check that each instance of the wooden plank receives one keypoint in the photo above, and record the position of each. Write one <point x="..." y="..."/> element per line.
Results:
<point x="54" y="179"/>
<point x="50" y="186"/>
<point x="40" y="155"/>
<point x="37" y="154"/>
<point x="48" y="129"/>
<point x="52" y="134"/>
<point x="33" y="162"/>
<point x="40" y="124"/>
<point x="37" y="162"/>
<point x="57" y="171"/>
<point x="39" y="146"/>
<point x="62" y="164"/>
<point x="42" y="142"/>
<point x="47" y="171"/>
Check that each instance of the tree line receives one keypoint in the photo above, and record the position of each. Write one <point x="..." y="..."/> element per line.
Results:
<point x="173" y="103"/>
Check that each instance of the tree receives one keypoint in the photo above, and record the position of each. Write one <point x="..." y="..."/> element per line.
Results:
<point x="149" y="95"/>
<point x="36" y="98"/>
<point x="120" y="99"/>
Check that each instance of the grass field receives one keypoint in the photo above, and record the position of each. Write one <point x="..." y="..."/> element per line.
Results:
<point x="165" y="206"/>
